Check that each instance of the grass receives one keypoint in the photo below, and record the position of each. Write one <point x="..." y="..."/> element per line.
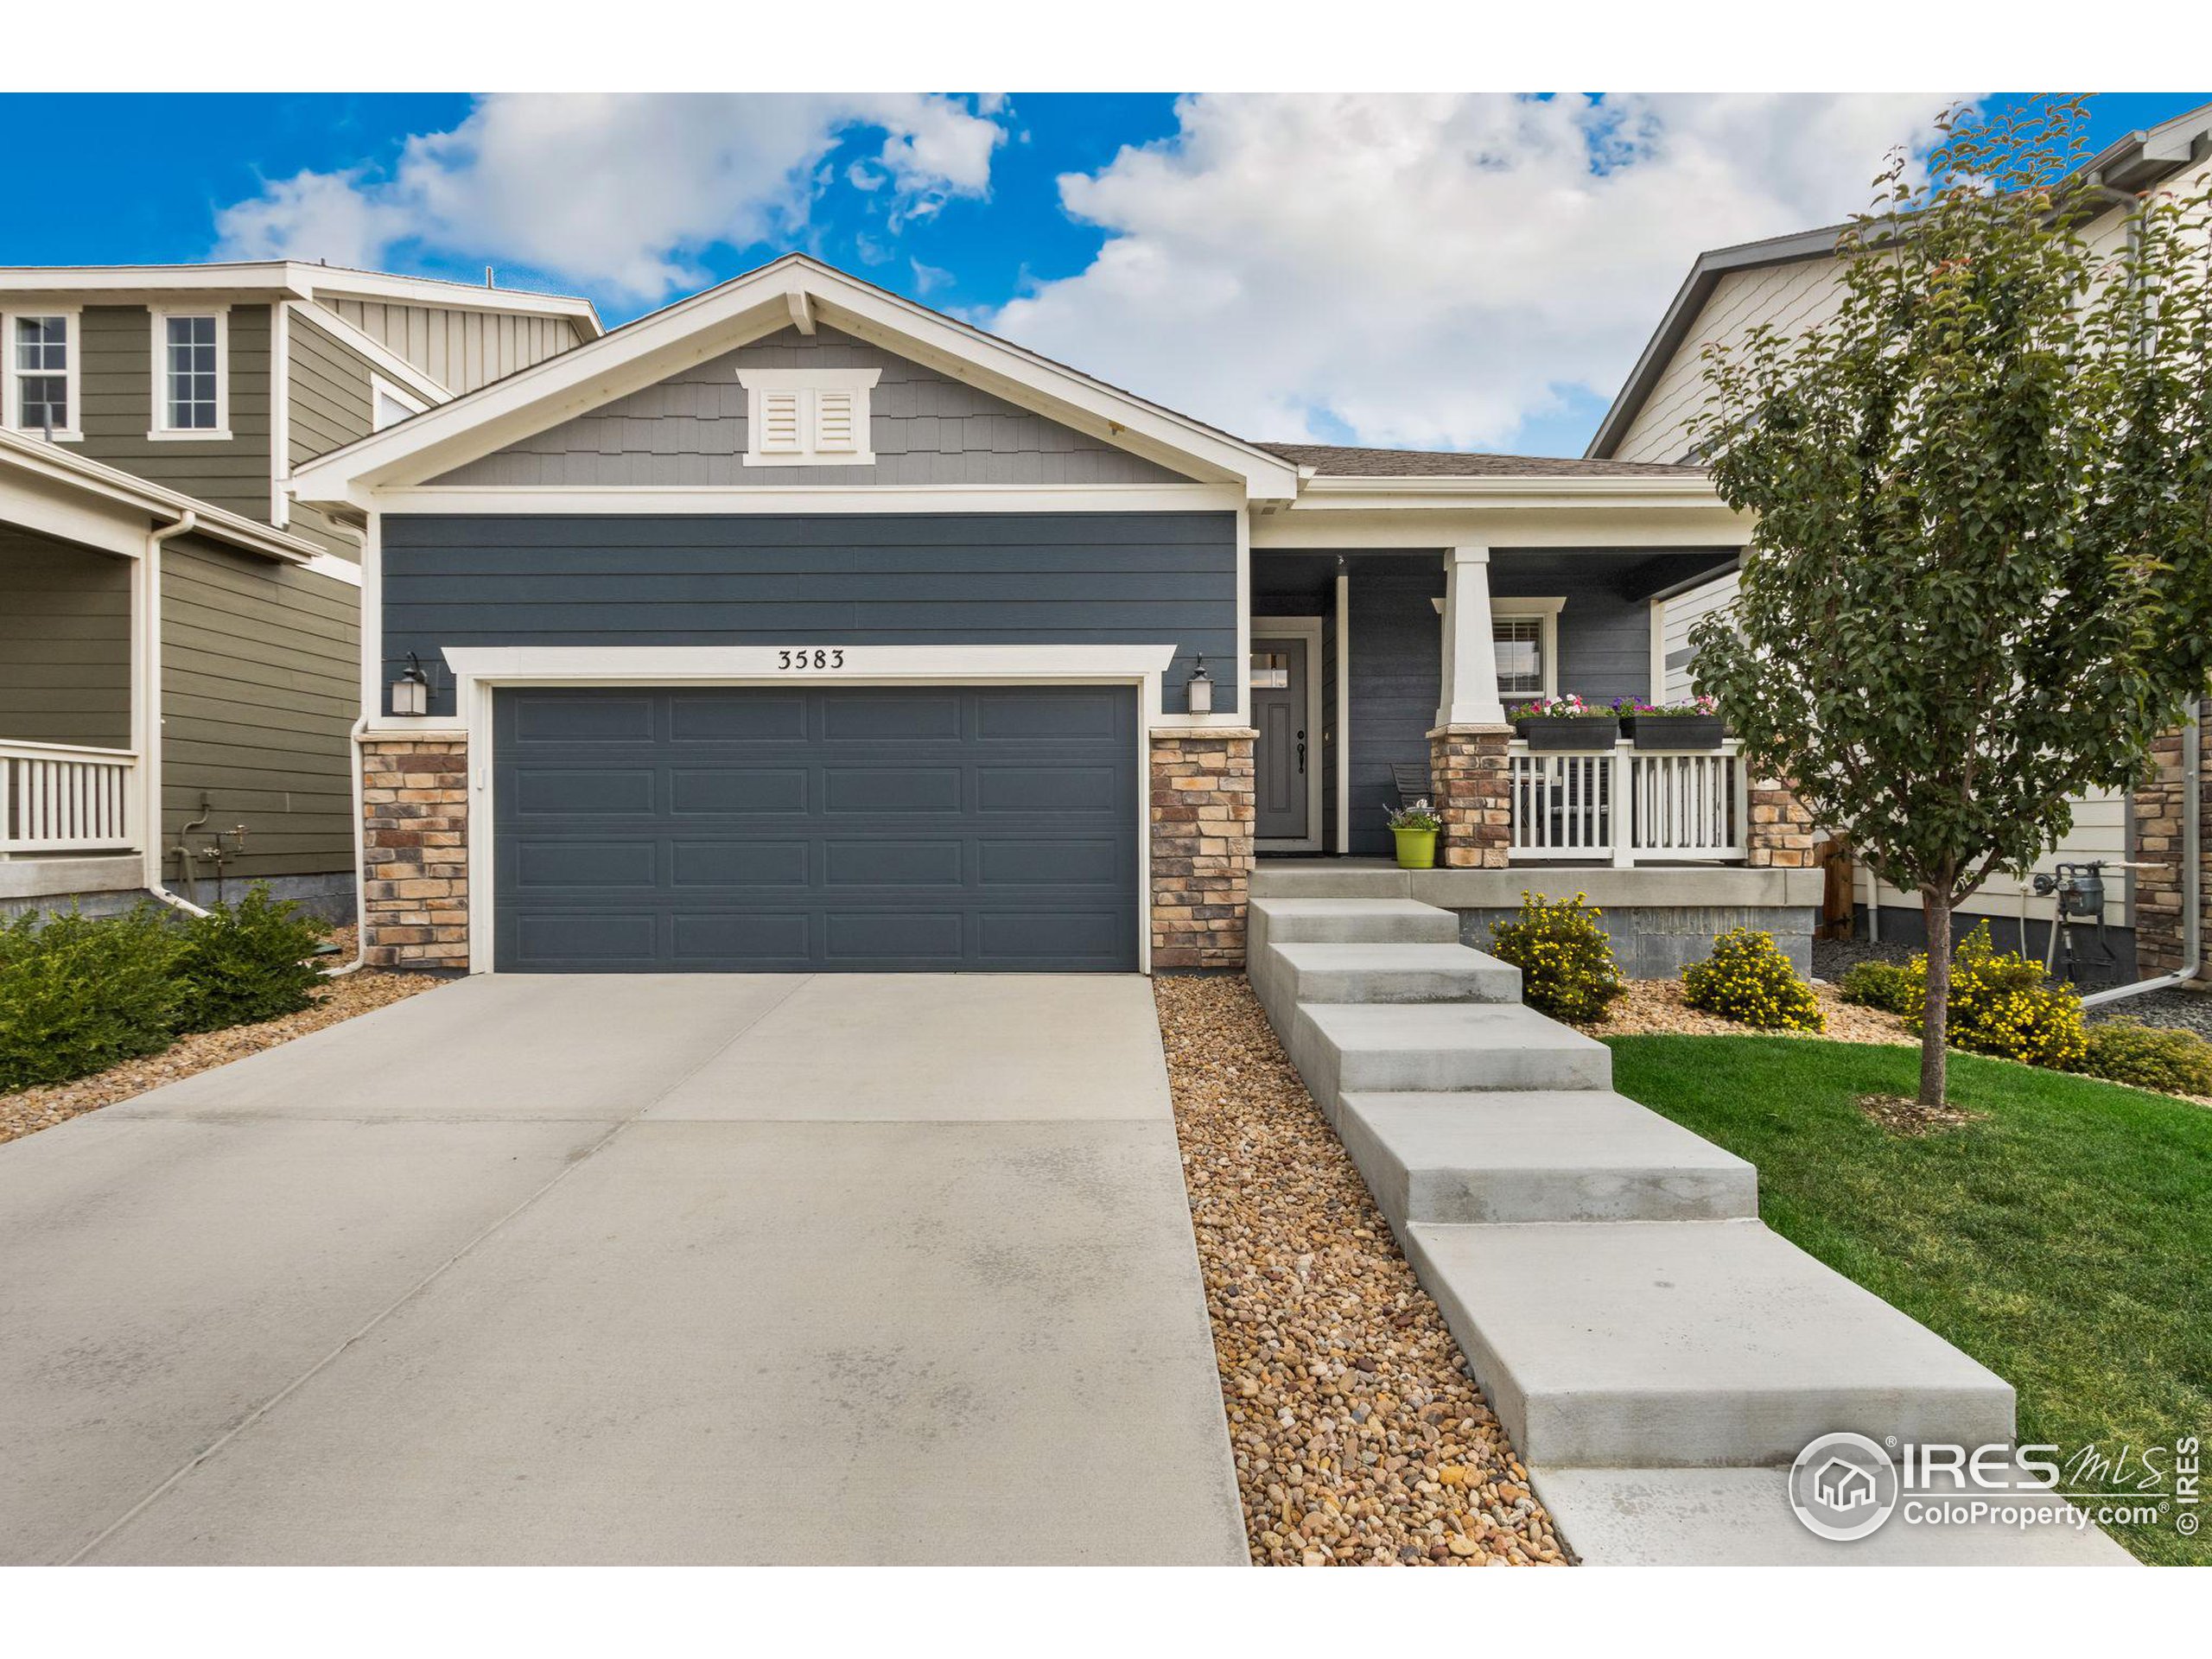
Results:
<point x="2063" y="1238"/>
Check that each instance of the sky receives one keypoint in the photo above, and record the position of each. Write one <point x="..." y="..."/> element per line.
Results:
<point x="1475" y="271"/>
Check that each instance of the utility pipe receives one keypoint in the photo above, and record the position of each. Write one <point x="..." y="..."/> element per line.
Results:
<point x="2192" y="868"/>
<point x="150" y="757"/>
<point x="360" y="831"/>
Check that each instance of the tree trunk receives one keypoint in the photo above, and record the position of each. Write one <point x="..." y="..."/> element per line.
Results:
<point x="1935" y="910"/>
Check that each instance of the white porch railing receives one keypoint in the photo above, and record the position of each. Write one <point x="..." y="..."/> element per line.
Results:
<point x="1627" y="806"/>
<point x="58" y="797"/>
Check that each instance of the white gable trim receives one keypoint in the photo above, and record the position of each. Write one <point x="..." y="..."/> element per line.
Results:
<point x="750" y="308"/>
<point x="810" y="499"/>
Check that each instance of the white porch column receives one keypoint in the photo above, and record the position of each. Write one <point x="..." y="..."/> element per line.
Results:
<point x="1470" y="688"/>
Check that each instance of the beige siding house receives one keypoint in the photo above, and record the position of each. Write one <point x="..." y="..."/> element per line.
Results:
<point x="1791" y="283"/>
<point x="180" y="643"/>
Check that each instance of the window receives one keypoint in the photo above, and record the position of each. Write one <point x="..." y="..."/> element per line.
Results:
<point x="41" y="383"/>
<point x="1270" y="671"/>
<point x="808" y="417"/>
<point x="1526" y="633"/>
<point x="191" y="374"/>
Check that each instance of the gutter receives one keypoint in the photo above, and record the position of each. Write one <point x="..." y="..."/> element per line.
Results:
<point x="2192" y="868"/>
<point x="151" y="761"/>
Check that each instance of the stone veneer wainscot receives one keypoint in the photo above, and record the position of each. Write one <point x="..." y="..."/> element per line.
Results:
<point x="2158" y="837"/>
<point x="1202" y="817"/>
<point x="415" y="836"/>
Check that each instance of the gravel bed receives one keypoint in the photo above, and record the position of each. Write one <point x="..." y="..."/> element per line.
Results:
<point x="1656" y="1005"/>
<point x="2190" y="1010"/>
<point x="357" y="992"/>
<point x="1359" y="1437"/>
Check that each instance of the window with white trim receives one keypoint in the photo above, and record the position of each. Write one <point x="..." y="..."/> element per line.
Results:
<point x="808" y="417"/>
<point x="390" y="405"/>
<point x="1525" y="633"/>
<point x="41" y="376"/>
<point x="191" y="374"/>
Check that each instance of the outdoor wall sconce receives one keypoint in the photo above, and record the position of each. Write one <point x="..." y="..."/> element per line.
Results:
<point x="1201" y="689"/>
<point x="410" y="692"/>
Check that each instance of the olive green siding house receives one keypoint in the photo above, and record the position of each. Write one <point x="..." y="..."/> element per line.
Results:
<point x="180" y="642"/>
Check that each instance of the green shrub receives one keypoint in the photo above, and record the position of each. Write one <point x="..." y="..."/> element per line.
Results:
<point x="2002" y="1004"/>
<point x="247" y="963"/>
<point x="1893" y="987"/>
<point x="78" y="996"/>
<point x="1565" y="961"/>
<point x="2149" y="1056"/>
<point x="1747" y="979"/>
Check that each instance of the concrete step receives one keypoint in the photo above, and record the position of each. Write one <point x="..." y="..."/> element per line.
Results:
<point x="1741" y="1517"/>
<point x="1538" y="1155"/>
<point x="1316" y="880"/>
<point x="1393" y="973"/>
<point x="1649" y="1344"/>
<point x="1439" y="1047"/>
<point x="1350" y="921"/>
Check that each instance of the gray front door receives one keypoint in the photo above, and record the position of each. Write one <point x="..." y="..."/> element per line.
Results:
<point x="780" y="830"/>
<point x="1285" y="746"/>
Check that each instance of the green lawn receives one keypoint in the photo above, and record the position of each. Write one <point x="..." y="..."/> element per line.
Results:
<point x="2064" y="1240"/>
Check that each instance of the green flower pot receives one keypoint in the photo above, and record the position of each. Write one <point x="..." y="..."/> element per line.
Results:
<point x="1416" y="849"/>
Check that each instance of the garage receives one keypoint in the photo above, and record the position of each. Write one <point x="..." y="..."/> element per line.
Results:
<point x="774" y="829"/>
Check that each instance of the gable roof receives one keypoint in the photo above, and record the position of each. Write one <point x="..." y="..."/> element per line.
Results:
<point x="1337" y="460"/>
<point x="794" y="289"/>
<point x="2133" y="162"/>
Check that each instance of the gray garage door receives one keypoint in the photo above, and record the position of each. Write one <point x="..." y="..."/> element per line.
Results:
<point x="892" y="828"/>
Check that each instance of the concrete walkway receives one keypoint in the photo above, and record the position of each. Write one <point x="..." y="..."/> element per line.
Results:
<point x="635" y="1269"/>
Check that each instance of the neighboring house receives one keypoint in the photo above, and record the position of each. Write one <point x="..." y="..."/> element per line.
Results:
<point x="797" y="625"/>
<point x="1791" y="283"/>
<point x="179" y="644"/>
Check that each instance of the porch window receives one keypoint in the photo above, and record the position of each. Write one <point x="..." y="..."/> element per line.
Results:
<point x="191" y="396"/>
<point x="42" y="384"/>
<point x="1525" y="633"/>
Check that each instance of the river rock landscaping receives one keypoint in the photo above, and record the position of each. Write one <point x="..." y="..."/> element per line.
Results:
<point x="1359" y="1436"/>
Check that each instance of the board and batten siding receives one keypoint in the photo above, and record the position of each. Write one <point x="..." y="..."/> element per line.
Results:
<point x="260" y="684"/>
<point x="460" y="348"/>
<point x="65" y="643"/>
<point x="688" y="432"/>
<point x="903" y="579"/>
<point x="117" y="377"/>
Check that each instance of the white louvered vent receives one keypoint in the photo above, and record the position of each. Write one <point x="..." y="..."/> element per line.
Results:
<point x="808" y="417"/>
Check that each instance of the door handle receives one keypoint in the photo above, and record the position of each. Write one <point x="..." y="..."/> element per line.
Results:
<point x="1301" y="754"/>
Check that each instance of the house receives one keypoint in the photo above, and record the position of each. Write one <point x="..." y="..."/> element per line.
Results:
<point x="797" y="626"/>
<point x="1791" y="283"/>
<point x="179" y="643"/>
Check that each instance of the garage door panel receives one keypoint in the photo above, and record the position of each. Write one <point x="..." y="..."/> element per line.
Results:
<point x="969" y="827"/>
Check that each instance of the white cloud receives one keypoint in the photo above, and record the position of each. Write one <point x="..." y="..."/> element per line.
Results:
<point x="618" y="191"/>
<point x="1429" y="271"/>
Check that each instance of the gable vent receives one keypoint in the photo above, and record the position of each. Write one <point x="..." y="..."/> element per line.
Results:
<point x="837" y="427"/>
<point x="808" y="417"/>
<point x="780" y="423"/>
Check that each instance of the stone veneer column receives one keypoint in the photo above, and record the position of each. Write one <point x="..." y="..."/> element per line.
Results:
<point x="2158" y="841"/>
<point x="1471" y="781"/>
<point x="1203" y="814"/>
<point x="415" y="834"/>
<point x="1780" y="834"/>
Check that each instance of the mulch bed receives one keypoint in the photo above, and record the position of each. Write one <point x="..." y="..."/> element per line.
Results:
<point x="40" y="1108"/>
<point x="1902" y="1114"/>
<point x="1359" y="1437"/>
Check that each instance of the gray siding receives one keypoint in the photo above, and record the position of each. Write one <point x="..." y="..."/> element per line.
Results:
<point x="258" y="690"/>
<point x="1605" y="633"/>
<point x="1305" y="584"/>
<point x="845" y="579"/>
<point x="1397" y="667"/>
<point x="118" y="388"/>
<point x="689" y="431"/>
<point x="65" y="643"/>
<point x="459" y="348"/>
<point x="332" y="403"/>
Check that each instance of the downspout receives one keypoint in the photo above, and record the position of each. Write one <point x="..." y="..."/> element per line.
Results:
<point x="360" y="831"/>
<point x="151" y="760"/>
<point x="2192" y="867"/>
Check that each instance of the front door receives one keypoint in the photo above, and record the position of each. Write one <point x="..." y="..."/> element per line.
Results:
<point x="1285" y="748"/>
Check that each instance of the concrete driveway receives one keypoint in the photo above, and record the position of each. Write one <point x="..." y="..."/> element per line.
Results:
<point x="636" y="1269"/>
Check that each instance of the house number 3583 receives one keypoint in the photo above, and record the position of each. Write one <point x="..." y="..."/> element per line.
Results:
<point x="818" y="659"/>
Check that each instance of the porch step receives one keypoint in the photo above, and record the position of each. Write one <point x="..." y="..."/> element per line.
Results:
<point x="1656" y="1344"/>
<point x="1392" y="973"/>
<point x="1348" y="921"/>
<point x="1319" y="880"/>
<point x="1439" y="1047"/>
<point x="1741" y="1517"/>
<point x="1538" y="1155"/>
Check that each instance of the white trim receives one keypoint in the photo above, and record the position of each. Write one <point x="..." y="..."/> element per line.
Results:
<point x="1656" y="623"/>
<point x="380" y="389"/>
<point x="1545" y="611"/>
<point x="805" y="388"/>
<point x="337" y="569"/>
<point x="1469" y="694"/>
<point x="158" y="429"/>
<point x="381" y="357"/>
<point x="479" y="670"/>
<point x="1328" y="493"/>
<point x="1306" y="630"/>
<point x="814" y="498"/>
<point x="72" y="363"/>
<point x="258" y="278"/>
<point x="280" y="412"/>
<point x="1343" y="758"/>
<point x="372" y="619"/>
<point x="49" y="465"/>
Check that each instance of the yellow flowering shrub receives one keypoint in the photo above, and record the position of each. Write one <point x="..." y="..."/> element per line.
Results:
<point x="1565" y="961"/>
<point x="2001" y="1004"/>
<point x="1747" y="979"/>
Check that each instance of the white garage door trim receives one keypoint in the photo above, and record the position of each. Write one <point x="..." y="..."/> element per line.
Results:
<point x="479" y="670"/>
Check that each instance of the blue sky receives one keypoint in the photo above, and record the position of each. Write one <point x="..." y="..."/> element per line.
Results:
<point x="1391" y="271"/>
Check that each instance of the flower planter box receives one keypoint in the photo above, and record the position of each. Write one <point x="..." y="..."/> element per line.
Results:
<point x="1676" y="731"/>
<point x="1553" y="733"/>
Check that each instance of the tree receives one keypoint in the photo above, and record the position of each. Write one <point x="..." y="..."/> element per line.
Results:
<point x="1982" y="576"/>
